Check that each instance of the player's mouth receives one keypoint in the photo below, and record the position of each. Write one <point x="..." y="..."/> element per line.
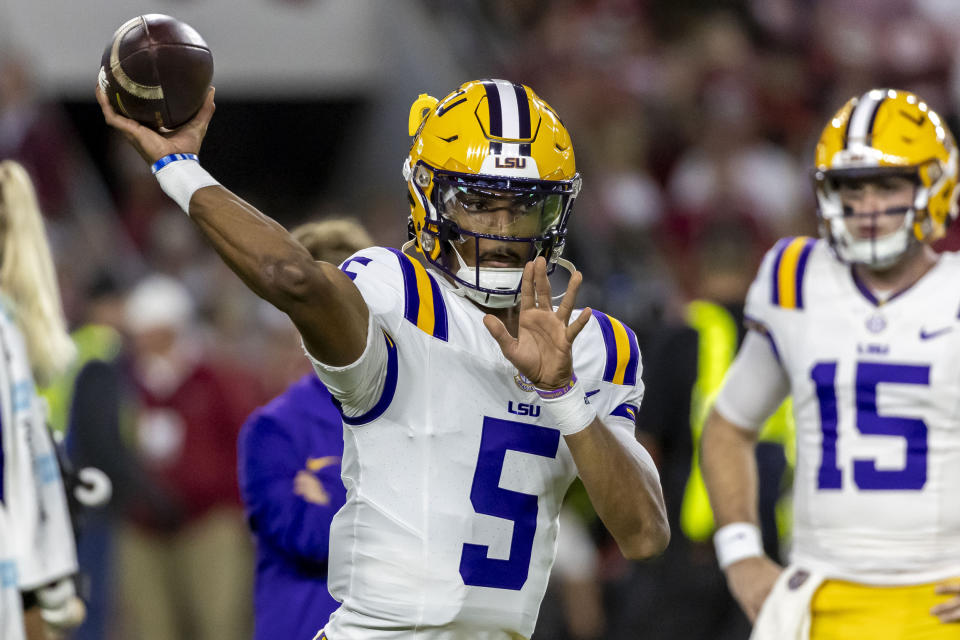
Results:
<point x="865" y="231"/>
<point x="501" y="259"/>
<point x="875" y="224"/>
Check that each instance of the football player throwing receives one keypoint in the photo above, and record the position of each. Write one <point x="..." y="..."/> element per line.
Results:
<point x="456" y="374"/>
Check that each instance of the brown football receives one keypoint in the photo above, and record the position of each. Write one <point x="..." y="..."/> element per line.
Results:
<point x="156" y="70"/>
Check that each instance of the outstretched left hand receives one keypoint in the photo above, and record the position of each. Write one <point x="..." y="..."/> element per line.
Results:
<point x="948" y="611"/>
<point x="542" y="350"/>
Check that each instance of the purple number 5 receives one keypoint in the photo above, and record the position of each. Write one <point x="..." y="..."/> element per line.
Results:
<point x="486" y="495"/>
<point x="866" y="475"/>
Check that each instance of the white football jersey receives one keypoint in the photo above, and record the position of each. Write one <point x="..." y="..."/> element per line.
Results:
<point x="454" y="479"/>
<point x="876" y="395"/>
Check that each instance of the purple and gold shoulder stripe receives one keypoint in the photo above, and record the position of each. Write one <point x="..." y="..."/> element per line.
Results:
<point x="623" y="353"/>
<point x="423" y="301"/>
<point x="386" y="396"/>
<point x="789" y="266"/>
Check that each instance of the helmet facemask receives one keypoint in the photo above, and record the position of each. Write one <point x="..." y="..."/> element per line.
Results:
<point x="492" y="178"/>
<point x="876" y="135"/>
<point x="505" y="222"/>
<point x="876" y="250"/>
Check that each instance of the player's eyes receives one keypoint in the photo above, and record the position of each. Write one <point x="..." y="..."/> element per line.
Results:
<point x="851" y="192"/>
<point x="514" y="207"/>
<point x="474" y="204"/>
<point x="892" y="186"/>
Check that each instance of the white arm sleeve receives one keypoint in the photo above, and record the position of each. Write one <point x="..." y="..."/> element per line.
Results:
<point x="755" y="385"/>
<point x="358" y="385"/>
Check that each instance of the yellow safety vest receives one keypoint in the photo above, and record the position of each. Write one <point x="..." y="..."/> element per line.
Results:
<point x="94" y="342"/>
<point x="717" y="331"/>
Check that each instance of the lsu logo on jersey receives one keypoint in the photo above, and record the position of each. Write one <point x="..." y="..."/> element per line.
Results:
<point x="523" y="409"/>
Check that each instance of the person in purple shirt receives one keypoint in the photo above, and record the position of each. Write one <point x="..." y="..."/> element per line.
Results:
<point x="289" y="469"/>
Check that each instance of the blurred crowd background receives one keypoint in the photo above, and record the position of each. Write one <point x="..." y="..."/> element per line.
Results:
<point x="693" y="121"/>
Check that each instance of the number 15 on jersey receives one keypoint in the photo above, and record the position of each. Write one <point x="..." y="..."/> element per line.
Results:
<point x="912" y="476"/>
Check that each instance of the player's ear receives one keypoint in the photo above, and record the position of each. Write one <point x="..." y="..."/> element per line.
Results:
<point x="419" y="111"/>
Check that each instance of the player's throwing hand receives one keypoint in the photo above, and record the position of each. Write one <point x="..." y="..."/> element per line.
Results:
<point x="542" y="349"/>
<point x="152" y="145"/>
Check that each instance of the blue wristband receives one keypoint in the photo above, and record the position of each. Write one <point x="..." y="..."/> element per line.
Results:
<point x="173" y="157"/>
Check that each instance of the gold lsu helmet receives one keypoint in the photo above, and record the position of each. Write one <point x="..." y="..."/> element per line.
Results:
<point x="880" y="133"/>
<point x="489" y="141"/>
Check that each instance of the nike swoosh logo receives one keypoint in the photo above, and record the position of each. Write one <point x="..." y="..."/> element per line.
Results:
<point x="924" y="335"/>
<point x="315" y="464"/>
<point x="592" y="393"/>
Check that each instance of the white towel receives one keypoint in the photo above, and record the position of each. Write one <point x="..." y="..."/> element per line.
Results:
<point x="785" y="614"/>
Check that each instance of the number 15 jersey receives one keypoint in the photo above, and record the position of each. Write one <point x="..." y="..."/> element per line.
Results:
<point x="876" y="396"/>
<point x="454" y="477"/>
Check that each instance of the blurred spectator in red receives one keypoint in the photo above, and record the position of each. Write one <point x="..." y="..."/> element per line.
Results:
<point x="185" y="572"/>
<point x="731" y="165"/>
<point x="36" y="135"/>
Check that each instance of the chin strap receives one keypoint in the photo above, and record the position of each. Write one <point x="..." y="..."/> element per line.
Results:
<point x="508" y="300"/>
<point x="571" y="269"/>
<point x="874" y="252"/>
<point x="492" y="300"/>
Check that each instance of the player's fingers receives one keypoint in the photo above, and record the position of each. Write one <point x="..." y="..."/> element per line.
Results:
<point x="753" y="606"/>
<point x="570" y="297"/>
<point x="574" y="328"/>
<point x="528" y="298"/>
<point x="110" y="114"/>
<point x="947" y="611"/>
<point x="190" y="136"/>
<point x="202" y="119"/>
<point x="542" y="283"/>
<point x="112" y="117"/>
<point x="98" y="93"/>
<point x="129" y="128"/>
<point x="209" y="105"/>
<point x="102" y="99"/>
<point x="499" y="333"/>
<point x="948" y="587"/>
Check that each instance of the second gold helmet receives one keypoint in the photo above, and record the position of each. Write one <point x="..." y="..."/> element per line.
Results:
<point x="887" y="132"/>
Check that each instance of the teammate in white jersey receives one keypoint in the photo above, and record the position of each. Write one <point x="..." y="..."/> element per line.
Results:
<point x="861" y="327"/>
<point x="37" y="553"/>
<point x="454" y="370"/>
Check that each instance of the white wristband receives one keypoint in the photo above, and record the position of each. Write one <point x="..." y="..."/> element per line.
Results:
<point x="737" y="541"/>
<point x="181" y="178"/>
<point x="570" y="412"/>
<point x="56" y="594"/>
